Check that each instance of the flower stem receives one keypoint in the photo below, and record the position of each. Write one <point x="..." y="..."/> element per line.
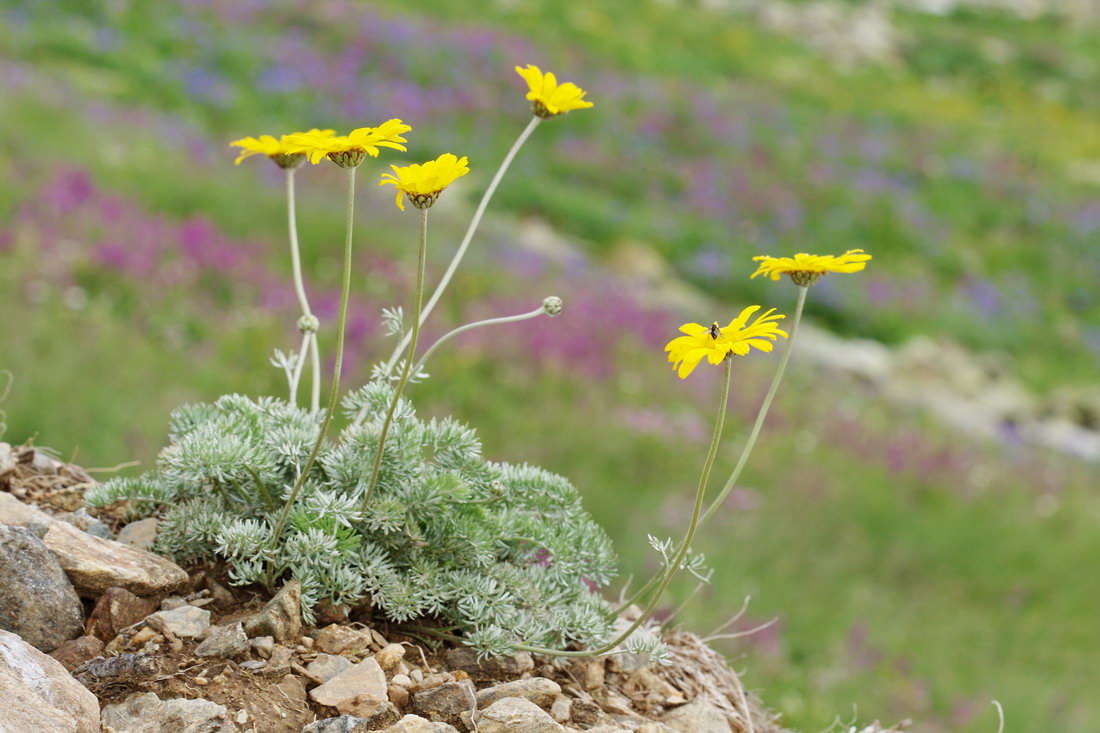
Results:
<point x="674" y="564"/>
<point x="300" y="290"/>
<point x="760" y="416"/>
<point x="296" y="375"/>
<point x="417" y="298"/>
<point x="462" y="247"/>
<point x="344" y="292"/>
<point x="469" y="326"/>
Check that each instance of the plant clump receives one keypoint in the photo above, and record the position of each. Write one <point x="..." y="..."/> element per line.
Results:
<point x="504" y="553"/>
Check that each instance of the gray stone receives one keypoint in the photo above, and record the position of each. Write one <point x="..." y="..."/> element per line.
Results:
<point x="140" y="534"/>
<point x="538" y="690"/>
<point x="342" y="724"/>
<point x="185" y="622"/>
<point x="327" y="666"/>
<point x="281" y="618"/>
<point x="340" y="639"/>
<point x="446" y="703"/>
<point x="253" y="664"/>
<point x="86" y="523"/>
<point x="38" y="694"/>
<point x="223" y="641"/>
<point x="377" y="713"/>
<point x="94" y="564"/>
<point x="561" y="709"/>
<point x="416" y="724"/>
<point x="698" y="716"/>
<point x="365" y="678"/>
<point x="516" y="715"/>
<point x="37" y="601"/>
<point x="19" y="514"/>
<point x="493" y="668"/>
<point x="147" y="713"/>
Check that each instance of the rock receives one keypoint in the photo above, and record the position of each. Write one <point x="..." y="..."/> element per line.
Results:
<point x="399" y="696"/>
<point x="342" y="724"/>
<point x="185" y="622"/>
<point x="38" y="693"/>
<point x="585" y="713"/>
<point x="493" y="668"/>
<point x="327" y="666"/>
<point x="223" y="641"/>
<point x="377" y="713"/>
<point x="116" y="609"/>
<point x="37" y="601"/>
<point x="389" y="656"/>
<point x="279" y="662"/>
<point x="435" y="680"/>
<point x="561" y="709"/>
<point x="140" y="534"/>
<point x="513" y="714"/>
<point x="171" y="603"/>
<point x="627" y="662"/>
<point x="264" y="645"/>
<point x="609" y="729"/>
<point x="253" y="664"/>
<point x="365" y="678"/>
<point x="698" y="716"/>
<point x="147" y="713"/>
<point x="86" y="523"/>
<point x="281" y="618"/>
<point x="592" y="674"/>
<point x="402" y="680"/>
<point x="416" y="724"/>
<point x="77" y="651"/>
<point x="19" y="514"/>
<point x="652" y="727"/>
<point x="538" y="690"/>
<point x="95" y="564"/>
<point x="337" y="639"/>
<point x="446" y="703"/>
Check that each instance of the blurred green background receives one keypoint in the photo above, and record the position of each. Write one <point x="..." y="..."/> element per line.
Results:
<point x="913" y="568"/>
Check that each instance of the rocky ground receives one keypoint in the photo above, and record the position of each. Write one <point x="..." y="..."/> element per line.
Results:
<point x="98" y="634"/>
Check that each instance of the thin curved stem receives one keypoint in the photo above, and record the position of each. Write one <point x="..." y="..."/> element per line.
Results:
<point x="300" y="291"/>
<point x="344" y="293"/>
<point x="764" y="407"/>
<point x="296" y="376"/>
<point x="674" y="565"/>
<point x="417" y="298"/>
<point x="470" y="326"/>
<point x="315" y="364"/>
<point x="462" y="247"/>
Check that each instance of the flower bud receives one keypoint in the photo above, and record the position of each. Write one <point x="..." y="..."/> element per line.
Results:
<point x="552" y="306"/>
<point x="308" y="324"/>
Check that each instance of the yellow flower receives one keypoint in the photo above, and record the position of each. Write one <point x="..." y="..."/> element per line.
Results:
<point x="275" y="148"/>
<point x="423" y="183"/>
<point x="715" y="344"/>
<point x="548" y="98"/>
<point x="348" y="151"/>
<point x="805" y="269"/>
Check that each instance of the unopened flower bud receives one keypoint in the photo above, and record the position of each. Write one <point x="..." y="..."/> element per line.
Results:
<point x="552" y="306"/>
<point x="308" y="324"/>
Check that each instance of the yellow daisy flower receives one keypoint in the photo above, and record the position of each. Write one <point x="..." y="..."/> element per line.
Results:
<point x="548" y="98"/>
<point x="805" y="269"/>
<point x="348" y="151"/>
<point x="275" y="148"/>
<point x="716" y="344"/>
<point x="423" y="183"/>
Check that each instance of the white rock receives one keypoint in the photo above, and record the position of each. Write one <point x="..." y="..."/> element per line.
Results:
<point x="185" y="622"/>
<point x="38" y="693"/>
<point x="365" y="678"/>
<point x="21" y="514"/>
<point x="327" y="666"/>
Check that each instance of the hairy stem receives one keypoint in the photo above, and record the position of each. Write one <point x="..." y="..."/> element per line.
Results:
<point x="674" y="565"/>
<point x="417" y="298"/>
<point x="461" y="251"/>
<point x="345" y="291"/>
<point x="760" y="416"/>
<point x="300" y="290"/>
<point x="470" y="326"/>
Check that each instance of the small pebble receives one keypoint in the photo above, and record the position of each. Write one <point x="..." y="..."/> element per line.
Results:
<point x="402" y="680"/>
<point x="242" y="717"/>
<point x="416" y="675"/>
<point x="389" y="656"/>
<point x="307" y="642"/>
<point x="201" y="681"/>
<point x="399" y="696"/>
<point x="264" y="645"/>
<point x="253" y="664"/>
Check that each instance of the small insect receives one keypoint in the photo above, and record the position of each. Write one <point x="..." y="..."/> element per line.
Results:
<point x="715" y="332"/>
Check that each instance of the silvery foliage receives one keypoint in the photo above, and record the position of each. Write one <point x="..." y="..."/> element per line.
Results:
<point x="504" y="552"/>
<point x="693" y="562"/>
